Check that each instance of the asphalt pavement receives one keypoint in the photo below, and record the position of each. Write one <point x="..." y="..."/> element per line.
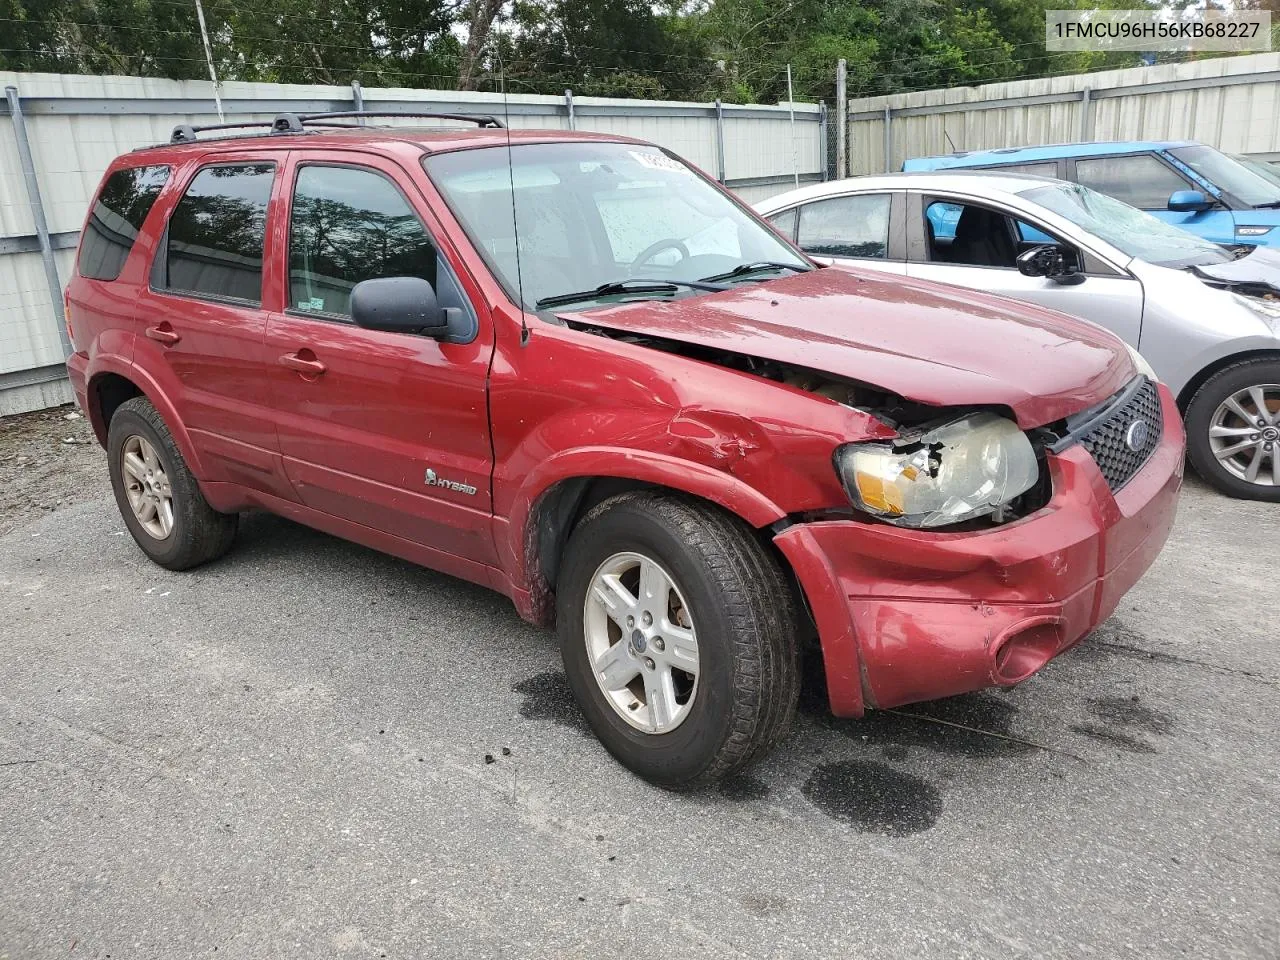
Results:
<point x="308" y="749"/>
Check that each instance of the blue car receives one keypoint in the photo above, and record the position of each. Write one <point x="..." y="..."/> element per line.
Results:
<point x="1182" y="182"/>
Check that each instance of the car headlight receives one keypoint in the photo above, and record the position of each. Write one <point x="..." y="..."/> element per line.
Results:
<point x="965" y="468"/>
<point x="1140" y="362"/>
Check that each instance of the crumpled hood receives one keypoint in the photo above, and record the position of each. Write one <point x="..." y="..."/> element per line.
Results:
<point x="1261" y="268"/>
<point x="927" y="342"/>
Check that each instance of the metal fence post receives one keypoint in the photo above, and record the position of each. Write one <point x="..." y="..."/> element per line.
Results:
<point x="357" y="98"/>
<point x="1086" y="115"/>
<point x="823" y="155"/>
<point x="720" y="138"/>
<point x="568" y="108"/>
<point x="888" y="140"/>
<point x="842" y="120"/>
<point x="37" y="214"/>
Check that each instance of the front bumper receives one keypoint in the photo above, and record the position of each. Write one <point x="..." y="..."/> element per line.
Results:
<point x="907" y="615"/>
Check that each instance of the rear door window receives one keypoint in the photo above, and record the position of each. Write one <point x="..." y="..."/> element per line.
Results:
<point x="1141" y="181"/>
<point x="856" y="226"/>
<point x="216" y="233"/>
<point x="117" y="215"/>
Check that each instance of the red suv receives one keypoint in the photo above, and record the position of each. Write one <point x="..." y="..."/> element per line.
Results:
<point x="573" y="368"/>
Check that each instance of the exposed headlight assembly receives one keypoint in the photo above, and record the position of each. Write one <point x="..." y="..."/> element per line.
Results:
<point x="965" y="468"/>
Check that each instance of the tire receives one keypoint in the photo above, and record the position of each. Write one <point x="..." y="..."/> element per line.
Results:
<point x="1206" y="411"/>
<point x="732" y="594"/>
<point x="197" y="533"/>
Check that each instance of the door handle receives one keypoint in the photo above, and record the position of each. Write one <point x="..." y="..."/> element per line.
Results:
<point x="307" y="365"/>
<point x="163" y="333"/>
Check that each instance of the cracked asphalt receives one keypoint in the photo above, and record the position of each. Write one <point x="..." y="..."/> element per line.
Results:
<point x="308" y="749"/>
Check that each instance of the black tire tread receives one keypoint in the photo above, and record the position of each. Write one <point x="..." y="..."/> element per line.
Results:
<point x="761" y="613"/>
<point x="204" y="533"/>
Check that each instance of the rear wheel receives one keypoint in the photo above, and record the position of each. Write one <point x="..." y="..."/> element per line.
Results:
<point x="677" y="630"/>
<point x="158" y="497"/>
<point x="1233" y="430"/>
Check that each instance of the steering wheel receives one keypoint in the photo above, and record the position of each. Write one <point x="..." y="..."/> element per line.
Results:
<point x="653" y="249"/>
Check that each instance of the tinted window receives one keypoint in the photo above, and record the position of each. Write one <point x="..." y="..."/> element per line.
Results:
<point x="786" y="222"/>
<point x="1047" y="169"/>
<point x="349" y="225"/>
<point x="216" y="233"/>
<point x="116" y="218"/>
<point x="1142" y="181"/>
<point x="846" y="226"/>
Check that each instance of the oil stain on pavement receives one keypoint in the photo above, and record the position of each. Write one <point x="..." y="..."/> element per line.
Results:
<point x="974" y="725"/>
<point x="743" y="788"/>
<point x="547" y="697"/>
<point x="1118" y="720"/>
<point x="873" y="797"/>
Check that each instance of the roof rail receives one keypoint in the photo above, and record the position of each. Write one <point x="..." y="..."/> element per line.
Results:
<point x="292" y="123"/>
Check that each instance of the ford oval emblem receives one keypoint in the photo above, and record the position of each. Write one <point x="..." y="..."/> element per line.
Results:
<point x="1135" y="438"/>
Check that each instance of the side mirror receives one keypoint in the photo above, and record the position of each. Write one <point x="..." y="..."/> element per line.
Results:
<point x="1189" y="201"/>
<point x="399" y="304"/>
<point x="1051" y="262"/>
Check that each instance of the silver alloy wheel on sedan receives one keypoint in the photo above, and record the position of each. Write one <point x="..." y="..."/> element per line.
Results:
<point x="147" y="486"/>
<point x="641" y="642"/>
<point x="1244" y="434"/>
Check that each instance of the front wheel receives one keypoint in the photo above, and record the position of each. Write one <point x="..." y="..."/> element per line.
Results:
<point x="1233" y="430"/>
<point x="677" y="630"/>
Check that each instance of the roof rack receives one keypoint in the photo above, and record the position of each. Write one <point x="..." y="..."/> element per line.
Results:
<point x="292" y="123"/>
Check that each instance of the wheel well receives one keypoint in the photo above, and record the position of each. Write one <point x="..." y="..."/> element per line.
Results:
<point x="560" y="509"/>
<point x="106" y="393"/>
<point x="1203" y="377"/>
<point x="558" y="512"/>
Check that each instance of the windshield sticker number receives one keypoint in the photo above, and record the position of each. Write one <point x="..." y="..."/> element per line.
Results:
<point x="658" y="161"/>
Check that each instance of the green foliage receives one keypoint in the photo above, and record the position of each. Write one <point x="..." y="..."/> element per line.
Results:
<point x="734" y="50"/>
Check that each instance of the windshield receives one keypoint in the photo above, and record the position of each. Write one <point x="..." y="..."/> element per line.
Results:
<point x="589" y="214"/>
<point x="1228" y="174"/>
<point x="1268" y="171"/>
<point x="1127" y="228"/>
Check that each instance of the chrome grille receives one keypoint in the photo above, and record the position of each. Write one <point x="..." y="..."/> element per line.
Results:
<point x="1126" y="433"/>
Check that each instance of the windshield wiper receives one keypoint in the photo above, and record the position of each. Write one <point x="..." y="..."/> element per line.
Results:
<point x="746" y="269"/>
<point x="1269" y="205"/>
<point x="630" y="285"/>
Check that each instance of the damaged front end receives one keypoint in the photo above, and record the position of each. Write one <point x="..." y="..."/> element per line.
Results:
<point x="942" y="473"/>
<point x="926" y="467"/>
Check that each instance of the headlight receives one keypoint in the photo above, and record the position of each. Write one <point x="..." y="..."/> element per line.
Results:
<point x="962" y="469"/>
<point x="1140" y="362"/>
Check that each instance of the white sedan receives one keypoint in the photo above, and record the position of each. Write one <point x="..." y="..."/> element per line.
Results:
<point x="1206" y="319"/>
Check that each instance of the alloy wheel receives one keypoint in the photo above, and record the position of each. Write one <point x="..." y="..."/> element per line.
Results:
<point x="1244" y="434"/>
<point x="641" y="642"/>
<point x="147" y="486"/>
